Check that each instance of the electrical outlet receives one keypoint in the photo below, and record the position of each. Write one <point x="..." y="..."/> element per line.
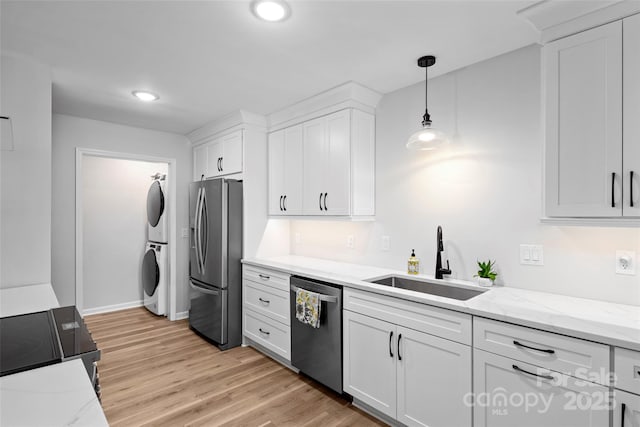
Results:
<point x="386" y="243"/>
<point x="531" y="255"/>
<point x="626" y="262"/>
<point x="185" y="233"/>
<point x="298" y="238"/>
<point x="350" y="241"/>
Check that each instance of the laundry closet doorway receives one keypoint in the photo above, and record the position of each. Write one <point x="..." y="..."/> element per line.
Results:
<point x="112" y="229"/>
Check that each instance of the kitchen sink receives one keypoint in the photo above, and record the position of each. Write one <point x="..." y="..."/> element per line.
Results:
<point x="428" y="287"/>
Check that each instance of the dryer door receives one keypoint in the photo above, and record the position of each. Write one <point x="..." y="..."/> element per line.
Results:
<point x="155" y="203"/>
<point x="150" y="273"/>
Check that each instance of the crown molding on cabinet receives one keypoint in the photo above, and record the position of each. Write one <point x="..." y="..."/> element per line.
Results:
<point x="347" y="95"/>
<point x="557" y="19"/>
<point x="237" y="120"/>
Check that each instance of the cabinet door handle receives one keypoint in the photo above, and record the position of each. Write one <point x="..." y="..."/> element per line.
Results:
<point x="542" y="350"/>
<point x="280" y="202"/>
<point x="631" y="188"/>
<point x="264" y="332"/>
<point x="264" y="301"/>
<point x="390" y="339"/>
<point x="284" y="202"/>
<point x="613" y="184"/>
<point x="399" y="338"/>
<point x="320" y="201"/>
<point x="218" y="163"/>
<point x="221" y="164"/>
<point x="517" y="368"/>
<point x="623" y="410"/>
<point x="262" y="276"/>
<point x="325" y="201"/>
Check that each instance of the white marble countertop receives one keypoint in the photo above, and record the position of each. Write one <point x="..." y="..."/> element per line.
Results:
<point x="609" y="323"/>
<point x="27" y="299"/>
<point x="55" y="395"/>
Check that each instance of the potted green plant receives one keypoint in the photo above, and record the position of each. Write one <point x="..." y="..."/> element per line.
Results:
<point x="486" y="274"/>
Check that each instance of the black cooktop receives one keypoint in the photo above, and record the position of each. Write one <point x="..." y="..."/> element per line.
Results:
<point x="33" y="340"/>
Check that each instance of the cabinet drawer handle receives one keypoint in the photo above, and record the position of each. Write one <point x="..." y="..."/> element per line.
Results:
<point x="517" y="368"/>
<point x="265" y="301"/>
<point x="533" y="348"/>
<point x="399" y="338"/>
<point x="390" y="339"/>
<point x="280" y="203"/>
<point x="613" y="183"/>
<point x="264" y="332"/>
<point x="631" y="189"/>
<point x="325" y="201"/>
<point x="284" y="202"/>
<point x="262" y="276"/>
<point x="623" y="410"/>
<point x="320" y="201"/>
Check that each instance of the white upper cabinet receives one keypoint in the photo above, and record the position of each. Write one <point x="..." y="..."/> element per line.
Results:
<point x="219" y="156"/>
<point x="592" y="150"/>
<point x="631" y="116"/>
<point x="285" y="171"/>
<point x="584" y="123"/>
<point x="324" y="166"/>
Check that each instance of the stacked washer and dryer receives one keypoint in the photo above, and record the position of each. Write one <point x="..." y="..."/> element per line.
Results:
<point x="155" y="262"/>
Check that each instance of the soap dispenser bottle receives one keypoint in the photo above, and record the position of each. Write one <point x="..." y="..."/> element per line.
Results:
<point x="413" y="265"/>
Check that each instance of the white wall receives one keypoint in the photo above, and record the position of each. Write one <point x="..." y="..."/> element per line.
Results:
<point x="114" y="199"/>
<point x="71" y="132"/>
<point x="485" y="189"/>
<point x="25" y="193"/>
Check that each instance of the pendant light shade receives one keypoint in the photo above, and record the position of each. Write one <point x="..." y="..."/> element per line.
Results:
<point x="426" y="138"/>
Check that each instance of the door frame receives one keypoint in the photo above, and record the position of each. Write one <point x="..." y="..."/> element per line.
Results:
<point x="173" y="235"/>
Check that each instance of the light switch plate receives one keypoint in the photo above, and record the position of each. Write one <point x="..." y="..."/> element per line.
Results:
<point x="386" y="243"/>
<point x="531" y="255"/>
<point x="626" y="262"/>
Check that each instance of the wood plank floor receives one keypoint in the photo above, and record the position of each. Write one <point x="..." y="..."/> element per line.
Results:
<point x="159" y="373"/>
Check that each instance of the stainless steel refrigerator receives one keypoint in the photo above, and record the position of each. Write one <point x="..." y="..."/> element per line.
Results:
<point x="215" y="212"/>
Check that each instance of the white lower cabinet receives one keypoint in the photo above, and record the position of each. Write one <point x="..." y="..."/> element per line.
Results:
<point x="265" y="310"/>
<point x="433" y="380"/>
<point x="369" y="363"/>
<point x="511" y="393"/>
<point x="413" y="377"/>
<point x="626" y="412"/>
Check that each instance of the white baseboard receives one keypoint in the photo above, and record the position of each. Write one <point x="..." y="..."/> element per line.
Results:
<point x="114" y="307"/>
<point x="182" y="315"/>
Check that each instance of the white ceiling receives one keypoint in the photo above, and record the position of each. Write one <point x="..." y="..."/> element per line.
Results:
<point x="209" y="58"/>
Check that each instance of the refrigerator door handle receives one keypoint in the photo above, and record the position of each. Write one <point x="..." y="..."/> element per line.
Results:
<point x="203" y="290"/>
<point x="204" y="219"/>
<point x="198" y="227"/>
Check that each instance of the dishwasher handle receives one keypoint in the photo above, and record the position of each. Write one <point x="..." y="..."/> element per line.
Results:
<point x="322" y="297"/>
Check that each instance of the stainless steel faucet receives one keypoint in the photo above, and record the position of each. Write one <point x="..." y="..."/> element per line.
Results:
<point x="439" y="248"/>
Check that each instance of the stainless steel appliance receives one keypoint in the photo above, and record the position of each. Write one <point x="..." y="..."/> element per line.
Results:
<point x="317" y="352"/>
<point x="43" y="338"/>
<point x="215" y="212"/>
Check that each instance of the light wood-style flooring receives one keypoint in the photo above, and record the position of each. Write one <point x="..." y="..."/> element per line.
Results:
<point x="159" y="373"/>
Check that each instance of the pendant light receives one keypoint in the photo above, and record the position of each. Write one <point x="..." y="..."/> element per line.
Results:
<point x="426" y="138"/>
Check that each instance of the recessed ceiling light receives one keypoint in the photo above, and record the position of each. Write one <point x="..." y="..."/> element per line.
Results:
<point x="271" y="10"/>
<point x="145" y="96"/>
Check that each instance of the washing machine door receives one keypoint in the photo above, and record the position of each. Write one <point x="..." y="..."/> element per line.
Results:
<point x="150" y="272"/>
<point x="155" y="203"/>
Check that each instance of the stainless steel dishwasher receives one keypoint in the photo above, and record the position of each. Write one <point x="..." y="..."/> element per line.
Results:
<point x="317" y="352"/>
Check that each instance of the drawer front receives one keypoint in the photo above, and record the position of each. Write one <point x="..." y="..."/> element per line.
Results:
<point x="267" y="332"/>
<point x="626" y="365"/>
<point x="572" y="356"/>
<point x="424" y="318"/>
<point x="267" y="277"/>
<point x="267" y="301"/>
<point x="511" y="393"/>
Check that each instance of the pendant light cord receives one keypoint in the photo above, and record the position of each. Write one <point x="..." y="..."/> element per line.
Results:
<point x="426" y="119"/>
